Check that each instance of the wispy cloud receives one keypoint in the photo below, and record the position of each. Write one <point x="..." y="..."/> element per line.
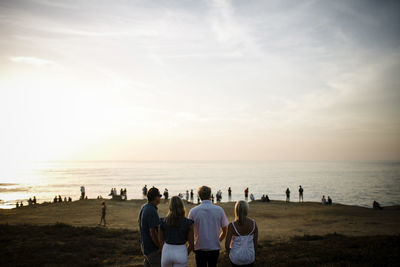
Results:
<point x="32" y="61"/>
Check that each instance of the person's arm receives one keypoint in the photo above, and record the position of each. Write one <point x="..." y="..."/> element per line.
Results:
<point x="224" y="225"/>
<point x="154" y="236"/>
<point x="228" y="239"/>
<point x="161" y="238"/>
<point x="223" y="233"/>
<point x="190" y="247"/>
<point x="255" y="238"/>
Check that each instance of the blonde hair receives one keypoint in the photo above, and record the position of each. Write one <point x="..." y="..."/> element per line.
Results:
<point x="241" y="210"/>
<point x="176" y="211"/>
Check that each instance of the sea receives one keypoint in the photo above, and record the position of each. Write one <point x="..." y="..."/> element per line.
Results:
<point x="346" y="182"/>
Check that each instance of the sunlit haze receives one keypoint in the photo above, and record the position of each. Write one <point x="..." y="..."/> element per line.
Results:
<point x="199" y="80"/>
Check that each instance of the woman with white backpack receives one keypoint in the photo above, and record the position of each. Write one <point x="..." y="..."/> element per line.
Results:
<point x="242" y="237"/>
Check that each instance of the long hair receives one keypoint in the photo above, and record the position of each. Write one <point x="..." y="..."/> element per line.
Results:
<point x="176" y="211"/>
<point x="241" y="209"/>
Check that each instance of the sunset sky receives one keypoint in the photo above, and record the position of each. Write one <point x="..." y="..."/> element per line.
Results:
<point x="199" y="80"/>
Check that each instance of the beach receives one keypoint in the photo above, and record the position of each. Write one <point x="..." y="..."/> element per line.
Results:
<point x="278" y="222"/>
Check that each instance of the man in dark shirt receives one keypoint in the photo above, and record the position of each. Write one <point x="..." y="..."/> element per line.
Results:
<point x="149" y="223"/>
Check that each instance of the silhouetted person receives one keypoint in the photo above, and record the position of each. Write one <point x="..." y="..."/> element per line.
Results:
<point x="22" y="204"/>
<point x="323" y="200"/>
<point x="82" y="192"/>
<point x="121" y="192"/>
<point x="301" y="190"/>
<point x="59" y="198"/>
<point x="144" y="190"/>
<point x="266" y="198"/>
<point x="65" y="199"/>
<point x="246" y="193"/>
<point x="191" y="195"/>
<point x="229" y="192"/>
<point x="103" y="214"/>
<point x="69" y="199"/>
<point x="166" y="194"/>
<point x="329" y="200"/>
<point x="17" y="205"/>
<point x="187" y="195"/>
<point x="376" y="205"/>
<point x="55" y="199"/>
<point x="29" y="201"/>
<point x="287" y="195"/>
<point x="125" y="194"/>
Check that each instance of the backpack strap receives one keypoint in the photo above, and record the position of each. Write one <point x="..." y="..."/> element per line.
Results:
<point x="234" y="227"/>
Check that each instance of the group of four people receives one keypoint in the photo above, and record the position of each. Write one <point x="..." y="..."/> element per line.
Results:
<point x="168" y="241"/>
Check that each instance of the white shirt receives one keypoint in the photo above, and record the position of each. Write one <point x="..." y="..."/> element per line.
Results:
<point x="208" y="221"/>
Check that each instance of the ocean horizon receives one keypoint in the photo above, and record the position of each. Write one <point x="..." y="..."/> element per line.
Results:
<point x="346" y="182"/>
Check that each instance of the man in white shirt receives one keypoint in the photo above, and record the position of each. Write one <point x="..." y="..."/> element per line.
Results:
<point x="210" y="228"/>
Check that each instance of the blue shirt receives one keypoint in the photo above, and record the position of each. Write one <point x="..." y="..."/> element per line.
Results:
<point x="176" y="235"/>
<point x="148" y="218"/>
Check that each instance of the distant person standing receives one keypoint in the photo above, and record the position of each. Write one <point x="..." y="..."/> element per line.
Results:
<point x="166" y="194"/>
<point x="103" y="214"/>
<point x="229" y="192"/>
<point x="323" y="200"/>
<point x="301" y="194"/>
<point x="149" y="223"/>
<point x="187" y="195"/>
<point x="82" y="192"/>
<point x="242" y="237"/>
<point x="144" y="190"/>
<point x="287" y="195"/>
<point x="329" y="200"/>
<point x="34" y="200"/>
<point x="17" y="205"/>
<point x="191" y="195"/>
<point x="246" y="193"/>
<point x="210" y="227"/>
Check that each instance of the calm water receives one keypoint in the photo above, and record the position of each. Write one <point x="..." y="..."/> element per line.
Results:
<point x="356" y="183"/>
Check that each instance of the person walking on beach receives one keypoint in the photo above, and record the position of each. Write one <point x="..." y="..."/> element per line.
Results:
<point x="301" y="194"/>
<point x="103" y="214"/>
<point x="149" y="223"/>
<point x="287" y="195"/>
<point x="242" y="237"/>
<point x="82" y="192"/>
<point x="176" y="235"/>
<point x="210" y="227"/>
<point x="246" y="193"/>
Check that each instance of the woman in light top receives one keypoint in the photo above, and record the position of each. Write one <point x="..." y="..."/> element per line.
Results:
<point x="242" y="237"/>
<point x="176" y="235"/>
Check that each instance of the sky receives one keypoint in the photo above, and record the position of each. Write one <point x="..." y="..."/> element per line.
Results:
<point x="199" y="80"/>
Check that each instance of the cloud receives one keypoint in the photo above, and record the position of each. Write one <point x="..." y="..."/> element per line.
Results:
<point x="32" y="61"/>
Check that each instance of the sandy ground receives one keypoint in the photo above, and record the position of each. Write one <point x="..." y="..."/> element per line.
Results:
<point x="277" y="220"/>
